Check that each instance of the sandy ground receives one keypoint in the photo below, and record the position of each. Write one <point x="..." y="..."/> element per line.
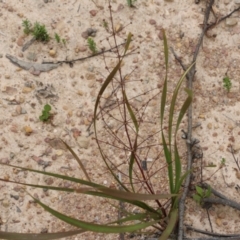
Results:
<point x="72" y="91"/>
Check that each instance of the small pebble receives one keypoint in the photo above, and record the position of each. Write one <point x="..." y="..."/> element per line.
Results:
<point x="105" y="182"/>
<point x="85" y="34"/>
<point x="52" y="53"/>
<point x="120" y="7"/>
<point x="20" y="41"/>
<point x="219" y="222"/>
<point x="93" y="12"/>
<point x="90" y="76"/>
<point x="5" y="203"/>
<point x="82" y="48"/>
<point x="72" y="75"/>
<point x="26" y="90"/>
<point x="231" y="22"/>
<point x="83" y="142"/>
<point x="152" y="22"/>
<point x="27" y="130"/>
<point x="80" y="92"/>
<point x="209" y="126"/>
<point x="118" y="27"/>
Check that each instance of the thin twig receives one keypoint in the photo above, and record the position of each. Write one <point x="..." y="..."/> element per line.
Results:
<point x="227" y="202"/>
<point x="220" y="236"/>
<point x="235" y="159"/>
<point x="209" y="220"/>
<point x="84" y="58"/>
<point x="189" y="149"/>
<point x="121" y="208"/>
<point x="215" y="192"/>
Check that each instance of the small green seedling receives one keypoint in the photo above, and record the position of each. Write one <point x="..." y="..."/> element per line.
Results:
<point x="105" y="25"/>
<point x="223" y="162"/>
<point x="130" y="3"/>
<point x="45" y="113"/>
<point x="92" y="45"/>
<point x="27" y="26"/>
<point x="40" y="32"/>
<point x="57" y="38"/>
<point x="227" y="84"/>
<point x="64" y="41"/>
<point x="201" y="194"/>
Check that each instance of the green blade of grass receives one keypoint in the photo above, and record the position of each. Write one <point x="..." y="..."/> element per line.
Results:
<point x="38" y="236"/>
<point x="103" y="88"/>
<point x="173" y="104"/>
<point x="164" y="91"/>
<point x="108" y="192"/>
<point x="90" y="184"/>
<point x="168" y="157"/>
<point x="94" y="227"/>
<point x="131" y="113"/>
<point x="178" y="164"/>
<point x="78" y="160"/>
<point x="171" y="225"/>
<point x="129" y="39"/>
<point x="134" y="196"/>
<point x="135" y="122"/>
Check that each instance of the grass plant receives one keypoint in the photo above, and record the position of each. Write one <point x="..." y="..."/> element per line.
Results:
<point x="92" y="45"/>
<point x="37" y="30"/>
<point x="130" y="3"/>
<point x="227" y="83"/>
<point x="134" y="137"/>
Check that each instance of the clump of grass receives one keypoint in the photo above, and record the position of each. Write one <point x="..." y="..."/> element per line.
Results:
<point x="37" y="30"/>
<point x="40" y="32"/>
<point x="27" y="26"/>
<point x="129" y="139"/>
<point x="92" y="45"/>
<point x="227" y="83"/>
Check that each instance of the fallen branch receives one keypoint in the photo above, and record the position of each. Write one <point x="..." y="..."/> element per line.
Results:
<point x="190" y="78"/>
<point x="219" y="235"/>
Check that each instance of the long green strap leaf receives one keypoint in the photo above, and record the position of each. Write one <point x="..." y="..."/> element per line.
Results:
<point x="92" y="226"/>
<point x="103" y="88"/>
<point x="135" y="122"/>
<point x="38" y="236"/>
<point x="78" y="160"/>
<point x="171" y="224"/>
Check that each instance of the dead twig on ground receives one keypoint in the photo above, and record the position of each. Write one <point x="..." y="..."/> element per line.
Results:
<point x="221" y="199"/>
<point x="190" y="78"/>
<point x="218" y="235"/>
<point x="70" y="62"/>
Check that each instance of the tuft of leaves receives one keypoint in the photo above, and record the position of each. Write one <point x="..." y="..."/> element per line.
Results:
<point x="40" y="32"/>
<point x="130" y="3"/>
<point x="45" y="113"/>
<point x="92" y="45"/>
<point x="201" y="194"/>
<point x="37" y="30"/>
<point x="27" y="26"/>
<point x="227" y="83"/>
